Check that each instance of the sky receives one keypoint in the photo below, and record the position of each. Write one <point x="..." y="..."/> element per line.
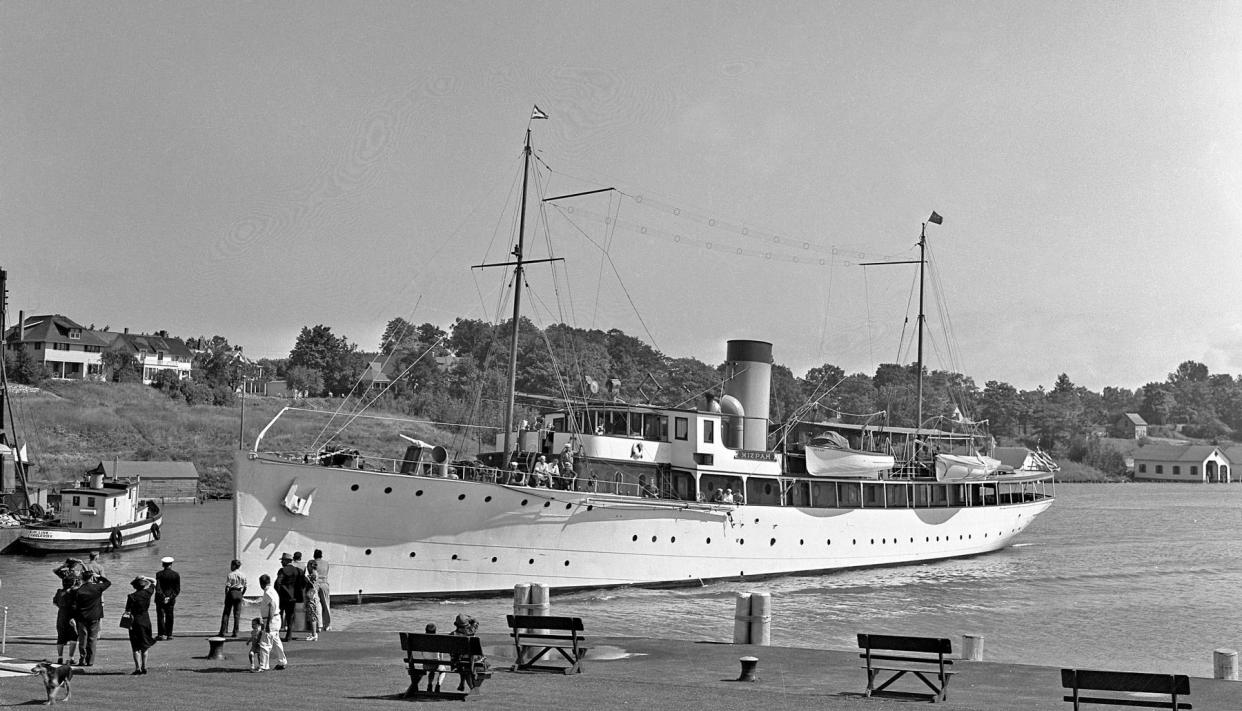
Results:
<point x="251" y="169"/>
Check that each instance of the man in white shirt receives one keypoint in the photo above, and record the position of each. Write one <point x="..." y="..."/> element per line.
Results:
<point x="270" y="646"/>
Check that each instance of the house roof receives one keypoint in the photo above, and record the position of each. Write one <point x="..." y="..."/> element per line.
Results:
<point x="1234" y="452"/>
<point x="152" y="470"/>
<point x="54" y="328"/>
<point x="375" y="372"/>
<point x="133" y="343"/>
<point x="1174" y="452"/>
<point x="1134" y="418"/>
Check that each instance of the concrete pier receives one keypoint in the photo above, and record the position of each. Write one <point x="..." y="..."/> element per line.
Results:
<point x="365" y="669"/>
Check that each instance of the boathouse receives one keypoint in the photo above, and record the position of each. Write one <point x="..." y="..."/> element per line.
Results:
<point x="1173" y="462"/>
<point x="163" y="481"/>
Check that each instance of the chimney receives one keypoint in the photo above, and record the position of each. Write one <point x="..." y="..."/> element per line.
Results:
<point x="127" y="330"/>
<point x="21" y="326"/>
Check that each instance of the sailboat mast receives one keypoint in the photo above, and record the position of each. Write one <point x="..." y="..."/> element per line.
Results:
<point x="922" y="318"/>
<point x="517" y="306"/>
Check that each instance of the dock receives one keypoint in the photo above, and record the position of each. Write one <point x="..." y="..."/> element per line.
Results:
<point x="364" y="671"/>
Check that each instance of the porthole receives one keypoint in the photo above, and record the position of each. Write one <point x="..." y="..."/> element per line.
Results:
<point x="368" y="551"/>
<point x="566" y="564"/>
<point x="412" y="554"/>
<point x="709" y="540"/>
<point x="354" y="487"/>
<point x="635" y="537"/>
<point x="772" y="542"/>
<point x="673" y="539"/>
<point x="853" y="541"/>
<point x="873" y="541"/>
<point x="454" y="556"/>
<point x="568" y="506"/>
<point x="419" y="492"/>
<point x="828" y="542"/>
<point x="387" y="489"/>
<point x="591" y="507"/>
<point x="756" y="520"/>
<point x="882" y="540"/>
<point x="801" y="542"/>
<point x="487" y="499"/>
<point x="653" y="539"/>
<point x="531" y="561"/>
<point x="546" y="504"/>
<point x="524" y="502"/>
<point x="741" y="541"/>
<point x="493" y="559"/>
<point x="461" y="497"/>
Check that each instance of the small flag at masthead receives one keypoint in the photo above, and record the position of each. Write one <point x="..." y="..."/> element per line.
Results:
<point x="536" y="113"/>
<point x="936" y="218"/>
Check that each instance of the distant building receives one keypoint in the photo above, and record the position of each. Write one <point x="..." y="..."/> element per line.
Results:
<point x="1171" y="462"/>
<point x="1132" y="426"/>
<point x="64" y="347"/>
<point x="375" y="377"/>
<point x="155" y="353"/>
<point x="164" y="481"/>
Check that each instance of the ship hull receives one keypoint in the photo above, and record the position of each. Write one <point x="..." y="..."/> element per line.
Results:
<point x="53" y="539"/>
<point x="394" y="535"/>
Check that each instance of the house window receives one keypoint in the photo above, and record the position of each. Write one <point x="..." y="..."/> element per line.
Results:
<point x="91" y="349"/>
<point x="38" y="345"/>
<point x="90" y="502"/>
<point x="60" y="346"/>
<point x="1159" y="468"/>
<point x="75" y="334"/>
<point x="681" y="429"/>
<point x="159" y="355"/>
<point x="1177" y="470"/>
<point x="1143" y="468"/>
<point x="709" y="432"/>
<point x="1194" y="470"/>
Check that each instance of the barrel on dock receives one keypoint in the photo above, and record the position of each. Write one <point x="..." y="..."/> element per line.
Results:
<point x="752" y="618"/>
<point x="1225" y="664"/>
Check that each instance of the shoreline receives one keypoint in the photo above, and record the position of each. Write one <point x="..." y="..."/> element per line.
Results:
<point x="345" y="668"/>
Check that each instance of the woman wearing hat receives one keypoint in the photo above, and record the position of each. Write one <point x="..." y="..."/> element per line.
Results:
<point x="138" y="605"/>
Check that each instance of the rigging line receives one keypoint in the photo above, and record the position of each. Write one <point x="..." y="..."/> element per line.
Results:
<point x="870" y="329"/>
<point x="386" y="388"/>
<point x="823" y="330"/>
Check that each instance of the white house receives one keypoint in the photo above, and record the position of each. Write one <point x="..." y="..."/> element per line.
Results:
<point x="1172" y="462"/>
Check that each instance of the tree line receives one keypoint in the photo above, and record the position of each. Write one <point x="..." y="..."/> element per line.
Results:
<point x="460" y="375"/>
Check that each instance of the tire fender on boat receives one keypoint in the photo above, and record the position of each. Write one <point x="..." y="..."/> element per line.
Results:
<point x="115" y="539"/>
<point x="36" y="511"/>
<point x="155" y="531"/>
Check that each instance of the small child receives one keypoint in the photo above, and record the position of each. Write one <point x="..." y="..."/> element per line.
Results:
<point x="435" y="672"/>
<point x="256" y="639"/>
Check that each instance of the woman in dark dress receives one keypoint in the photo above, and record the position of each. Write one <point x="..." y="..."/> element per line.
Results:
<point x="137" y="604"/>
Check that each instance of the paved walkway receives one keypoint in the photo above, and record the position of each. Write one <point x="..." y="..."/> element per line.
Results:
<point x="362" y="672"/>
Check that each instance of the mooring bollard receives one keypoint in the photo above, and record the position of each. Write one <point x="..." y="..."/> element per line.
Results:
<point x="741" y="619"/>
<point x="972" y="647"/>
<point x="749" y="664"/>
<point x="531" y="599"/>
<point x="752" y="618"/>
<point x="1225" y="664"/>
<point x="216" y="651"/>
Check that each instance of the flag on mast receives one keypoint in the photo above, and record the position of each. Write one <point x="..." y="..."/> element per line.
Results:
<point x="936" y="218"/>
<point x="536" y="113"/>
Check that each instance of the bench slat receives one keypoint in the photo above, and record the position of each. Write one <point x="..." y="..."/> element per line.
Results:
<point x="1128" y="702"/>
<point x="916" y="660"/>
<point x="539" y="622"/>
<point x="442" y="643"/>
<point x="928" y="645"/>
<point x="1125" y="681"/>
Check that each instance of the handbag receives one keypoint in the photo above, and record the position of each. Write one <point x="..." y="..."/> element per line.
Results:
<point x="127" y="619"/>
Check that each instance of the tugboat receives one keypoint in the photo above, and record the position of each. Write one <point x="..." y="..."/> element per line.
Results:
<point x="98" y="514"/>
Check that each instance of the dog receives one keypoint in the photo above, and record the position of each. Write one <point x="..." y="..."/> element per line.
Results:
<point x="55" y="678"/>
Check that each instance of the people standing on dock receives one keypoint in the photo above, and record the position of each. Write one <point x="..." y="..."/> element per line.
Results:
<point x="234" y="592"/>
<point x="271" y="649"/>
<point x="66" y="628"/>
<point x="310" y="594"/>
<point x="325" y="590"/>
<point x="93" y="564"/>
<point x="167" y="588"/>
<point x="289" y="582"/>
<point x="88" y="603"/>
<point x="138" y="605"/>
<point x="71" y="569"/>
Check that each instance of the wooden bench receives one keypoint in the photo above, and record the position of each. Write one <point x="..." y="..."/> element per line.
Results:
<point x="1174" y="685"/>
<point x="544" y="634"/>
<point x="431" y="653"/>
<point x="929" y="666"/>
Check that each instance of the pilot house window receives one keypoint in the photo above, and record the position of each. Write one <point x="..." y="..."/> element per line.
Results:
<point x="709" y="431"/>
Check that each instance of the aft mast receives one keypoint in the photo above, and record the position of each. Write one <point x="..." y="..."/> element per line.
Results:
<point x="935" y="218"/>
<point x="8" y="432"/>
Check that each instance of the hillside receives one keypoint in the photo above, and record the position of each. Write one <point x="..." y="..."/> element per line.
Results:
<point x="70" y="426"/>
